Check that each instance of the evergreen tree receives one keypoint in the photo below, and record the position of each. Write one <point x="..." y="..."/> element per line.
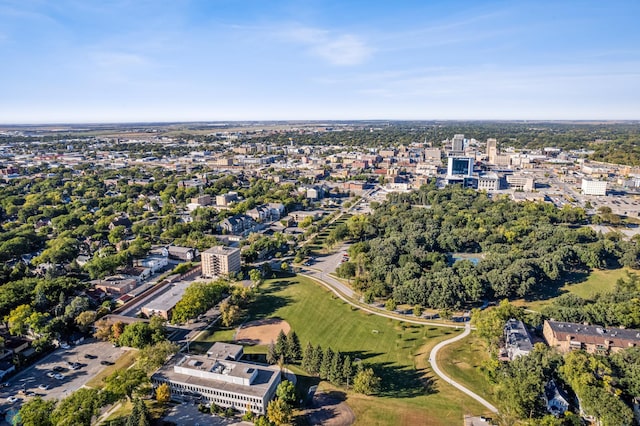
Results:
<point x="307" y="358"/>
<point x="293" y="347"/>
<point x="316" y="360"/>
<point x="281" y="345"/>
<point x="347" y="370"/>
<point x="272" y="353"/>
<point x="366" y="382"/>
<point x="325" y="366"/>
<point x="140" y="415"/>
<point x="134" y="417"/>
<point x="335" y="371"/>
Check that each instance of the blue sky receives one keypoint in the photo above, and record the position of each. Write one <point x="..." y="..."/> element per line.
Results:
<point x="182" y="60"/>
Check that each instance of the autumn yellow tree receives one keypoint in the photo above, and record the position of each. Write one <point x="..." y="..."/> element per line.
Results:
<point x="163" y="393"/>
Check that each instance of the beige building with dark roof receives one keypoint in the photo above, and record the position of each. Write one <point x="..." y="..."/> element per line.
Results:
<point x="220" y="260"/>
<point x="567" y="336"/>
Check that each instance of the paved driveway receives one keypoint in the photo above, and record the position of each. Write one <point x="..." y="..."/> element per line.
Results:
<point x="188" y="415"/>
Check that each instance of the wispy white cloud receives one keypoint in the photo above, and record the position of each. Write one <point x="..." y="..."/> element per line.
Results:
<point x="342" y="49"/>
<point x="118" y="59"/>
<point x="490" y="81"/>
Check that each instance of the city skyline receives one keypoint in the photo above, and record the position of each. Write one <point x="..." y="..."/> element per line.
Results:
<point x="133" y="61"/>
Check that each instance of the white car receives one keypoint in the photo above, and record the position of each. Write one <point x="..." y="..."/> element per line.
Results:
<point x="43" y="387"/>
<point x="51" y="374"/>
<point x="12" y="399"/>
<point x="64" y="346"/>
<point x="59" y="376"/>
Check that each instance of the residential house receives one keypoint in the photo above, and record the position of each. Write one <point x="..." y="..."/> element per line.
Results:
<point x="557" y="401"/>
<point x="186" y="254"/>
<point x="153" y="262"/>
<point x="266" y="212"/>
<point x="122" y="220"/>
<point x="517" y="341"/>
<point x="237" y="224"/>
<point x="115" y="285"/>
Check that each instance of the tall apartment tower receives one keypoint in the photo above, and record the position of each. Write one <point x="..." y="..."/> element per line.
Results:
<point x="458" y="143"/>
<point x="492" y="150"/>
<point x="220" y="260"/>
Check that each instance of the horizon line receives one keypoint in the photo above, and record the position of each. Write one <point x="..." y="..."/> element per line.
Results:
<point x="329" y="120"/>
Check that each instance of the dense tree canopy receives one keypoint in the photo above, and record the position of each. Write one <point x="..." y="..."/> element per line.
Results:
<point x="407" y="249"/>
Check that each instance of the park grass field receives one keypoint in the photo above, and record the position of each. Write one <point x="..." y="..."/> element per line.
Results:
<point x="398" y="352"/>
<point x="598" y="281"/>
<point x="126" y="360"/>
<point x="462" y="361"/>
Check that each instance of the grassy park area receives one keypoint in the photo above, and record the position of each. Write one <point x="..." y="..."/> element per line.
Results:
<point x="462" y="361"/>
<point x="585" y="286"/>
<point x="397" y="351"/>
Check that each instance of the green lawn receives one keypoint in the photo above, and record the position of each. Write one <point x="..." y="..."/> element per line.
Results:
<point x="398" y="352"/>
<point x="598" y="281"/>
<point x="462" y="361"/>
<point x="126" y="360"/>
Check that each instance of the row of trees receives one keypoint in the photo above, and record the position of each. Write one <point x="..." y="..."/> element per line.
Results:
<point x="286" y="349"/>
<point x="138" y="335"/>
<point x="198" y="298"/>
<point x="327" y="364"/>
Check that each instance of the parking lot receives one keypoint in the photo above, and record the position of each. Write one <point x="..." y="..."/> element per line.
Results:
<point x="188" y="415"/>
<point x="91" y="357"/>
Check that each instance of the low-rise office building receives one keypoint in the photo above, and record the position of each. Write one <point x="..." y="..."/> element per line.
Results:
<point x="216" y="378"/>
<point x="594" y="187"/>
<point x="163" y="304"/>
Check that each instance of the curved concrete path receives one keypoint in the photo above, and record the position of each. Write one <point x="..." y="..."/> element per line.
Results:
<point x="434" y="365"/>
<point x="335" y="286"/>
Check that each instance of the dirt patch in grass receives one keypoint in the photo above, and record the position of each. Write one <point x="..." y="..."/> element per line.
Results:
<point x="261" y="332"/>
<point x="329" y="409"/>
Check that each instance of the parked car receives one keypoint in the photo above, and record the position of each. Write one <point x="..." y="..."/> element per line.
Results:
<point x="12" y="399"/>
<point x="51" y="374"/>
<point x="58" y="369"/>
<point x="105" y="362"/>
<point x="59" y="376"/>
<point x="43" y="387"/>
<point x="64" y="345"/>
<point x="90" y="356"/>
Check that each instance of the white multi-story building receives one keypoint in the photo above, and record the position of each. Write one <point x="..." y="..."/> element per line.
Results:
<point x="489" y="182"/>
<point x="594" y="187"/>
<point x="219" y="378"/>
<point x="521" y="182"/>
